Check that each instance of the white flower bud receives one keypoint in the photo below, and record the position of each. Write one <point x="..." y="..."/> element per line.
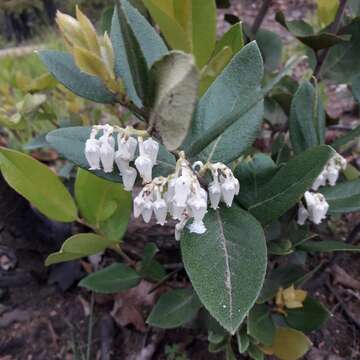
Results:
<point x="151" y="149"/>
<point x="129" y="178"/>
<point x="147" y="211"/>
<point x="303" y="214"/>
<point x="107" y="154"/>
<point x="197" y="227"/>
<point x="215" y="194"/>
<point x="144" y="166"/>
<point x="160" y="210"/>
<point x="92" y="153"/>
<point x="228" y="190"/>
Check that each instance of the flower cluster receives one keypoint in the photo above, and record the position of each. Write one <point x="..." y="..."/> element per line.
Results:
<point x="182" y="197"/>
<point x="103" y="152"/>
<point x="330" y="173"/>
<point x="316" y="204"/>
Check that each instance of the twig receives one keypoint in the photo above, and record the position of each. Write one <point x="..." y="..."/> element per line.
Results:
<point x="107" y="335"/>
<point x="322" y="55"/>
<point x="339" y="299"/>
<point x="164" y="279"/>
<point x="90" y="329"/>
<point x="260" y="17"/>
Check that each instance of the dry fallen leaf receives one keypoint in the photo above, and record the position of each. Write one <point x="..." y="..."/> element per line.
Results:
<point x="129" y="306"/>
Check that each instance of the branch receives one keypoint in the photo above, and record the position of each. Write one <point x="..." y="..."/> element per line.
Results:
<point x="260" y="17"/>
<point x="333" y="29"/>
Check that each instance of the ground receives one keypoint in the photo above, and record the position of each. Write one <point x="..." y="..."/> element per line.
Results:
<point x="43" y="315"/>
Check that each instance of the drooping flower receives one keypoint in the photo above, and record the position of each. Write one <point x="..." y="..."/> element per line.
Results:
<point x="331" y="172"/>
<point x="107" y="149"/>
<point x="129" y="177"/>
<point x="317" y="206"/>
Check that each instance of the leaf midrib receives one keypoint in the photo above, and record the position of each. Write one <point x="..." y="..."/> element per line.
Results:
<point x="228" y="284"/>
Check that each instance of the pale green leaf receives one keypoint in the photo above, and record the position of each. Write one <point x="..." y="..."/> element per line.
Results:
<point x="38" y="184"/>
<point x="77" y="247"/>
<point x="103" y="204"/>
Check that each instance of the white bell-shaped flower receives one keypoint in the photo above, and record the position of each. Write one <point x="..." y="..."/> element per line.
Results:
<point x="129" y="178"/>
<point x="139" y="204"/>
<point x="228" y="190"/>
<point x="107" y="154"/>
<point x="182" y="189"/>
<point x="214" y="194"/>
<point x="332" y="175"/>
<point x="320" y="180"/>
<point x="132" y="146"/>
<point x="122" y="164"/>
<point x="151" y="149"/>
<point x="303" y="214"/>
<point x="198" y="206"/>
<point x="123" y="150"/>
<point x="177" y="211"/>
<point x="317" y="206"/>
<point x="160" y="210"/>
<point x="237" y="185"/>
<point x="92" y="153"/>
<point x="197" y="227"/>
<point x="144" y="166"/>
<point x="147" y="211"/>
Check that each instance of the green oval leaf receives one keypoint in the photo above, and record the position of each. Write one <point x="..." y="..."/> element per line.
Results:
<point x="77" y="247"/>
<point x="260" y="324"/>
<point x="288" y="185"/>
<point x="38" y="184"/>
<point x="113" y="279"/>
<point x="312" y="316"/>
<point x="174" y="308"/>
<point x="343" y="197"/>
<point x="175" y="81"/>
<point x="235" y="87"/>
<point x="62" y="66"/>
<point x="227" y="264"/>
<point x="339" y="65"/>
<point x="104" y="204"/>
